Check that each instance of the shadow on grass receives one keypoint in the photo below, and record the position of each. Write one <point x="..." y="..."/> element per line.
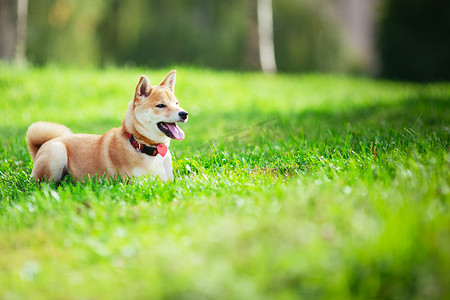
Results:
<point x="422" y="115"/>
<point x="417" y="116"/>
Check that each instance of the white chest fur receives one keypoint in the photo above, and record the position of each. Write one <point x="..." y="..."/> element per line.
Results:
<point x="156" y="166"/>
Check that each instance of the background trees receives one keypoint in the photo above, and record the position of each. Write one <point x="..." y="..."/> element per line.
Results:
<point x="209" y="33"/>
<point x="394" y="38"/>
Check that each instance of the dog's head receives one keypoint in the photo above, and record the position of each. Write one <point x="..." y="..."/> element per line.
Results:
<point x="157" y="109"/>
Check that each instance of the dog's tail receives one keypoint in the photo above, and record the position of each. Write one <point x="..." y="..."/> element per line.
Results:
<point x="40" y="132"/>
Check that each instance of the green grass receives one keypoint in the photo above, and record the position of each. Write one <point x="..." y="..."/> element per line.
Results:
<point x="287" y="187"/>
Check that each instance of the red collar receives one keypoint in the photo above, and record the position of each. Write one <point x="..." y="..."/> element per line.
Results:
<point x="152" y="151"/>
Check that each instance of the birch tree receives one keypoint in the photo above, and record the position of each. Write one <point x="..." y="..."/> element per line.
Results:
<point x="265" y="32"/>
<point x="260" y="44"/>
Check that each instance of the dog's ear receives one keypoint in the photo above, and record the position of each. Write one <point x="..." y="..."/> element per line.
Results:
<point x="170" y="79"/>
<point x="143" y="88"/>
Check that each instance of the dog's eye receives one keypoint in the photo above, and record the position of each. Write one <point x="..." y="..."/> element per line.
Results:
<point x="177" y="103"/>
<point x="160" y="105"/>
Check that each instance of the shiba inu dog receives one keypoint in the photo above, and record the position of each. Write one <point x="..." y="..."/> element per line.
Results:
<point x="137" y="148"/>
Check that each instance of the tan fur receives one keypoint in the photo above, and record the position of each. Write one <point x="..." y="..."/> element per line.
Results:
<point x="41" y="132"/>
<point x="56" y="151"/>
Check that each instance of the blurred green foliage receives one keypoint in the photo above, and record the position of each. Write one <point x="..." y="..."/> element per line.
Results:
<point x="154" y="33"/>
<point x="306" y="39"/>
<point x="413" y="41"/>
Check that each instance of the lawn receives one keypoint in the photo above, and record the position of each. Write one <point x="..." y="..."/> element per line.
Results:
<point x="287" y="187"/>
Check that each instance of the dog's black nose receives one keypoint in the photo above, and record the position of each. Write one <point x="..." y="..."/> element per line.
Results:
<point x="183" y="114"/>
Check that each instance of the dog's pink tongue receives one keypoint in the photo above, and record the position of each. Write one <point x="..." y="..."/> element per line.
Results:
<point x="176" y="131"/>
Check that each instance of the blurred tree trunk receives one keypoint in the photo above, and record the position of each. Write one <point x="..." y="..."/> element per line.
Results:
<point x="21" y="36"/>
<point x="357" y="20"/>
<point x="7" y="29"/>
<point x="265" y="30"/>
<point x="13" y="26"/>
<point x="260" y="44"/>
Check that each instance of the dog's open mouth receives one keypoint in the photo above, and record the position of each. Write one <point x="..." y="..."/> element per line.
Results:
<point x="171" y="130"/>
